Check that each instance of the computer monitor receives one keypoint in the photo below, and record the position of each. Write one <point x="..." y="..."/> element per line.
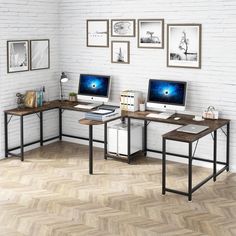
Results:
<point x="166" y="94"/>
<point x="94" y="88"/>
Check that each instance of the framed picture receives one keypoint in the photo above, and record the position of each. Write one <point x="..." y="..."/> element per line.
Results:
<point x="120" y="52"/>
<point x="184" y="45"/>
<point x="97" y="33"/>
<point x="39" y="54"/>
<point x="17" y="56"/>
<point x="151" y="33"/>
<point x="123" y="28"/>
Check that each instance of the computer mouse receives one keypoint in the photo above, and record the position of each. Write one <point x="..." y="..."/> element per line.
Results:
<point x="177" y="118"/>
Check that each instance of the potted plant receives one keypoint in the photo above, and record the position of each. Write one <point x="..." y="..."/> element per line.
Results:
<point x="72" y="97"/>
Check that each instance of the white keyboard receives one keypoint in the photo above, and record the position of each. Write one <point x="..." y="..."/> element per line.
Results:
<point x="162" y="115"/>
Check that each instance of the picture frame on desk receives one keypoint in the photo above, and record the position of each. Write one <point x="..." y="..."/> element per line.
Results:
<point x="17" y="56"/>
<point x="97" y="33"/>
<point x="184" y="45"/>
<point x="39" y="54"/>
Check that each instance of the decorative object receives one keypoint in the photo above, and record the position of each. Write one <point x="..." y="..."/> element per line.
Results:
<point x="120" y="52"/>
<point x="123" y="28"/>
<point x="20" y="100"/>
<point x="184" y="45"/>
<point x="211" y="113"/>
<point x="63" y="79"/>
<point x="17" y="56"/>
<point x="97" y="33"/>
<point x="30" y="98"/>
<point x="151" y="33"/>
<point x="72" y="97"/>
<point x="39" y="54"/>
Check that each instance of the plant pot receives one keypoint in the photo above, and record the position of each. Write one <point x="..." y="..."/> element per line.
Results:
<point x="72" y="98"/>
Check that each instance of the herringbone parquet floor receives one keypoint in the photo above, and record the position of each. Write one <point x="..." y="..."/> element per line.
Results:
<point x="51" y="193"/>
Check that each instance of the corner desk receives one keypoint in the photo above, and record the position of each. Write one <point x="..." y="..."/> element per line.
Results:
<point x="214" y="126"/>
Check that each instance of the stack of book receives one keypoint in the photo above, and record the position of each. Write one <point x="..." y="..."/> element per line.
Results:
<point x="129" y="100"/>
<point x="102" y="114"/>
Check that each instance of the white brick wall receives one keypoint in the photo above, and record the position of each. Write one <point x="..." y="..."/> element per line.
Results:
<point x="64" y="23"/>
<point x="213" y="85"/>
<point x="28" y="19"/>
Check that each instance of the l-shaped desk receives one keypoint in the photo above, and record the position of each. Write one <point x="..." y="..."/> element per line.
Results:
<point x="214" y="126"/>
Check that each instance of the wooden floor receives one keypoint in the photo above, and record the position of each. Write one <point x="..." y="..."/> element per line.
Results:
<point x="51" y="193"/>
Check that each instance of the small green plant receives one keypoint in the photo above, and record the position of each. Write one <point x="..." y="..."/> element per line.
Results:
<point x="72" y="94"/>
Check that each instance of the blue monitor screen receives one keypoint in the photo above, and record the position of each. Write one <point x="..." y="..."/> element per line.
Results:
<point x="94" y="85"/>
<point x="167" y="92"/>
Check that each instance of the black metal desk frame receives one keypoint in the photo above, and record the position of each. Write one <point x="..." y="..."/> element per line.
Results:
<point x="190" y="158"/>
<point x="8" y="151"/>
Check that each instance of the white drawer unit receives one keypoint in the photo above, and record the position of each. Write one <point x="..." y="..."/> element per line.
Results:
<point x="117" y="136"/>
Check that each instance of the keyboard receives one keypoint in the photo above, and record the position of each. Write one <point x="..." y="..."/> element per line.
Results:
<point x="162" y="115"/>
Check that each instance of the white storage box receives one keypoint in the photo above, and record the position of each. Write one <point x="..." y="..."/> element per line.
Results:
<point x="118" y="139"/>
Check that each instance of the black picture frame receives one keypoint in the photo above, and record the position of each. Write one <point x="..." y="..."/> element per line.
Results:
<point x="37" y="63"/>
<point x="17" y="56"/>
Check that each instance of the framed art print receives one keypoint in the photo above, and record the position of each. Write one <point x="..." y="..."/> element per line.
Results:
<point x="17" y="56"/>
<point x="39" y="54"/>
<point x="120" y="52"/>
<point x="97" y="33"/>
<point x="184" y="45"/>
<point x="123" y="28"/>
<point x="151" y="33"/>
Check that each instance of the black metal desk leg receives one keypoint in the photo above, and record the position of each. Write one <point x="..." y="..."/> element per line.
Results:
<point x="41" y="128"/>
<point x="145" y="139"/>
<point x="60" y="124"/>
<point x="105" y="141"/>
<point x="128" y="137"/>
<point x="190" y="173"/>
<point x="90" y="149"/>
<point x="22" y="137"/>
<point x="214" y="155"/>
<point x="163" y="166"/>
<point x="6" y="133"/>
<point x="227" y="145"/>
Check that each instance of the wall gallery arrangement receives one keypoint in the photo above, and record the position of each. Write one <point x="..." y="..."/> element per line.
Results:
<point x="183" y="40"/>
<point x="18" y="51"/>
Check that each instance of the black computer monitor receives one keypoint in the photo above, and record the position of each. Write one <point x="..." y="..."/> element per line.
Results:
<point x="94" y="87"/>
<point x="166" y="94"/>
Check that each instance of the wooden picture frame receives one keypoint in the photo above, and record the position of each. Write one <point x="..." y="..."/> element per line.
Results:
<point x="120" y="52"/>
<point x="97" y="33"/>
<point x="151" y="33"/>
<point x="184" y="45"/>
<point x="17" y="56"/>
<point x="39" y="54"/>
<point x="123" y="27"/>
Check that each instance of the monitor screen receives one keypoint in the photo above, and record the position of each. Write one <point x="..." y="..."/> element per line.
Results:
<point x="94" y="85"/>
<point x="167" y="92"/>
